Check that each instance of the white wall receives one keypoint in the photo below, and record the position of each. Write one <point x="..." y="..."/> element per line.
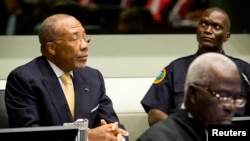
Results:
<point x="121" y="55"/>
<point x="125" y="93"/>
<point x="129" y="63"/>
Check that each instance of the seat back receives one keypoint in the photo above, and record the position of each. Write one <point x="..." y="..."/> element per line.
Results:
<point x="3" y="111"/>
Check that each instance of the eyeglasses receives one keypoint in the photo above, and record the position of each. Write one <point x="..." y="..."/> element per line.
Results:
<point x="75" y="40"/>
<point x="87" y="38"/>
<point x="239" y="101"/>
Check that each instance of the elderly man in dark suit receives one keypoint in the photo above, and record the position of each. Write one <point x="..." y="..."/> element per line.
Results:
<point x="35" y="91"/>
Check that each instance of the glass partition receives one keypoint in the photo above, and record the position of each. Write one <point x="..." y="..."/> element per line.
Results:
<point x="23" y="17"/>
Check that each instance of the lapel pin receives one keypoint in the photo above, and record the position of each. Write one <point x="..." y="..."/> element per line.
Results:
<point x="86" y="89"/>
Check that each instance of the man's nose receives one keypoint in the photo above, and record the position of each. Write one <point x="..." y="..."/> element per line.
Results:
<point x="208" y="28"/>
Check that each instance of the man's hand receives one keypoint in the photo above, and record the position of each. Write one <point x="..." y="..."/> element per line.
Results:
<point x="107" y="132"/>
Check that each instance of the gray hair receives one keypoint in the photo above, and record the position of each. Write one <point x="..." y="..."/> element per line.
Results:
<point x="201" y="69"/>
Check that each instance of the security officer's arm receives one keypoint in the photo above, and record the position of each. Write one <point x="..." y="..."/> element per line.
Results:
<point x="155" y="115"/>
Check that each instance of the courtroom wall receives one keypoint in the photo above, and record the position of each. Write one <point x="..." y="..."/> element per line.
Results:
<point x="129" y="63"/>
<point x="121" y="55"/>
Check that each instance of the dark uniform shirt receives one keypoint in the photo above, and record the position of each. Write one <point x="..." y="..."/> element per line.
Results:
<point x="167" y="90"/>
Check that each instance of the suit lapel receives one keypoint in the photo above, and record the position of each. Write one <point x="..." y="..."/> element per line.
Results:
<point x="55" y="93"/>
<point x="82" y="93"/>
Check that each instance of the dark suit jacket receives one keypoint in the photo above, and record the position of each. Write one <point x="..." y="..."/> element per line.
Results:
<point x="34" y="96"/>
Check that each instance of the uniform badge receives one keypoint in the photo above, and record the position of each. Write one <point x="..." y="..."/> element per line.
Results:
<point x="160" y="76"/>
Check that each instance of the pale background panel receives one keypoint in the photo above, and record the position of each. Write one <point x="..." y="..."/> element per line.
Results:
<point x="121" y="55"/>
<point x="129" y="63"/>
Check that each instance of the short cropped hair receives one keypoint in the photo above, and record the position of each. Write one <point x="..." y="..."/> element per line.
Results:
<point x="49" y="30"/>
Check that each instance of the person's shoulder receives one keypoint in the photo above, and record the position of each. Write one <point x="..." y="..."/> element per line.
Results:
<point x="27" y="66"/>
<point x="87" y="70"/>
<point x="239" y="62"/>
<point x="184" y="58"/>
<point x="182" y="61"/>
<point x="27" y="70"/>
<point x="92" y="75"/>
<point x="161" y="130"/>
<point x="175" y="120"/>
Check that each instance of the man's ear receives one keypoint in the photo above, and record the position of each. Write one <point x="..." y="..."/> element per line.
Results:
<point x="227" y="36"/>
<point x="191" y="94"/>
<point x="50" y="48"/>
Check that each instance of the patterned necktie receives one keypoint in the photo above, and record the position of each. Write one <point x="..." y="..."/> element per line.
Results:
<point x="69" y="92"/>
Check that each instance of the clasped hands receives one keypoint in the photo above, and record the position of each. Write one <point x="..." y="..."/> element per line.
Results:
<point x="107" y="132"/>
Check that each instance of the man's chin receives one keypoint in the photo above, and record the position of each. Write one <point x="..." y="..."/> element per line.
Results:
<point x="80" y="65"/>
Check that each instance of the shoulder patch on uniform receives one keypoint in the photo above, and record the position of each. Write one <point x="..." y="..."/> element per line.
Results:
<point x="160" y="76"/>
